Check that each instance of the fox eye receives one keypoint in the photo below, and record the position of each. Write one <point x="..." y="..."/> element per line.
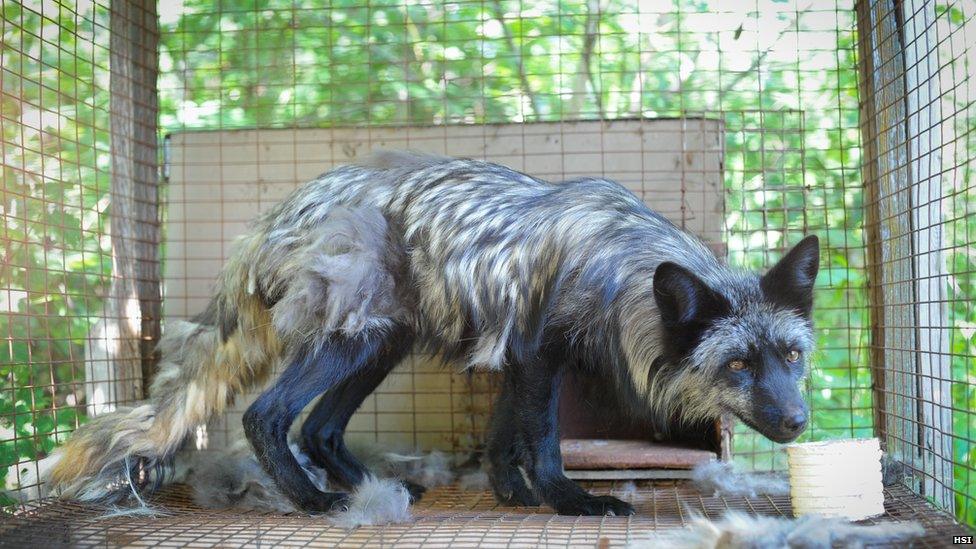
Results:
<point x="792" y="356"/>
<point x="737" y="365"/>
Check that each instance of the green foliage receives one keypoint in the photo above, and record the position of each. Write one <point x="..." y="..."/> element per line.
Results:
<point x="56" y="262"/>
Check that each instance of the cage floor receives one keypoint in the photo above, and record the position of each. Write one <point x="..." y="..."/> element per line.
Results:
<point x="446" y="517"/>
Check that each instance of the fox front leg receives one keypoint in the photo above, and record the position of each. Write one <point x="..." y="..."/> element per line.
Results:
<point x="535" y="390"/>
<point x="505" y="451"/>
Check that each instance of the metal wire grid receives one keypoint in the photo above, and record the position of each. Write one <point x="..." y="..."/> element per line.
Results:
<point x="278" y="84"/>
<point x="446" y="517"/>
<point x="763" y="68"/>
<point x="771" y="203"/>
<point x="918" y="116"/>
<point x="199" y="69"/>
<point x="67" y="130"/>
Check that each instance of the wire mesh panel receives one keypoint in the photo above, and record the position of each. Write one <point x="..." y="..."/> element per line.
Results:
<point x="447" y="517"/>
<point x="777" y="190"/>
<point x="261" y="92"/>
<point x="781" y="76"/>
<point x="79" y="282"/>
<point x="261" y="95"/>
<point x="918" y="120"/>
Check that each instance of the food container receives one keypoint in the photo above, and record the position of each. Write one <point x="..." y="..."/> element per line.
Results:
<point x="837" y="478"/>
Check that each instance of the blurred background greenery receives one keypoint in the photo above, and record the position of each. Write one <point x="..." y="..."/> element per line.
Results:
<point x="782" y="75"/>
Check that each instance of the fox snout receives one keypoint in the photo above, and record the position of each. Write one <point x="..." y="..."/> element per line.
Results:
<point x="793" y="422"/>
<point x="784" y="424"/>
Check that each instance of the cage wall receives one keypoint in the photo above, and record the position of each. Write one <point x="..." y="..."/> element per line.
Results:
<point x="918" y="118"/>
<point x="218" y="181"/>
<point x="780" y="76"/>
<point x="79" y="263"/>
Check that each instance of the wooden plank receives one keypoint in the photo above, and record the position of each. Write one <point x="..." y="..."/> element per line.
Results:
<point x="893" y="248"/>
<point x="590" y="454"/>
<point x="872" y="225"/>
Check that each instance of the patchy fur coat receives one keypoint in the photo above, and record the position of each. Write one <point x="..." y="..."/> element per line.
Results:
<point x="479" y="262"/>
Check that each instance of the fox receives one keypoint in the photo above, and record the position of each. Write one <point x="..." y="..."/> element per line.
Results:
<point x="488" y="268"/>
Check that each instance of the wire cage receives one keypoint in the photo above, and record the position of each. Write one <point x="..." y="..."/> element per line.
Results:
<point x="139" y="138"/>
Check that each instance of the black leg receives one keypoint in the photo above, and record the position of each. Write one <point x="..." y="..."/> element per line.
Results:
<point x="268" y="419"/>
<point x="505" y="453"/>
<point x="323" y="430"/>
<point x="536" y="402"/>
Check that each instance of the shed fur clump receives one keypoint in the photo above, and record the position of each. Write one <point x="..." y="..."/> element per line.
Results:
<point x="233" y="479"/>
<point x="725" y="479"/>
<point x="737" y="530"/>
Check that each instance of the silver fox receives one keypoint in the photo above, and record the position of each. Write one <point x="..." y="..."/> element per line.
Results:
<point x="481" y="264"/>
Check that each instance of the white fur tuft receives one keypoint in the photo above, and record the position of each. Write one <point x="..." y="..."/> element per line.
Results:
<point x="115" y="511"/>
<point x="431" y="470"/>
<point x="723" y="478"/>
<point x="738" y="530"/>
<point x="627" y="490"/>
<point x="375" y="501"/>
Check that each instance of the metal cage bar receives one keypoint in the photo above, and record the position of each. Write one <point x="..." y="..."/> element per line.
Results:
<point x="912" y="179"/>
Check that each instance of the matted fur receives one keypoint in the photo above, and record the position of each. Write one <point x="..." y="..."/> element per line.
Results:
<point x="233" y="479"/>
<point x="429" y="469"/>
<point x="478" y="260"/>
<point x="737" y="530"/>
<point x="343" y="259"/>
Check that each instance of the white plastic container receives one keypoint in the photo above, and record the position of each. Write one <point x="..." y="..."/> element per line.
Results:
<point x="838" y="478"/>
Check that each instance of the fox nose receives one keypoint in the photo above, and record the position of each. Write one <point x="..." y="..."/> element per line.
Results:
<point x="794" y="422"/>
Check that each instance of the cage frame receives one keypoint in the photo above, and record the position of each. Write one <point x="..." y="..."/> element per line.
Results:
<point x="898" y="159"/>
<point x="914" y="414"/>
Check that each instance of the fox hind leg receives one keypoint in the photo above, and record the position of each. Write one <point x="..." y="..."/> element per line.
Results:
<point x="323" y="430"/>
<point x="267" y="420"/>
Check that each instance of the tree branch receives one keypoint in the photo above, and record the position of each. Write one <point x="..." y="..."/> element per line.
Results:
<point x="762" y="56"/>
<point x="499" y="14"/>
<point x="585" y="72"/>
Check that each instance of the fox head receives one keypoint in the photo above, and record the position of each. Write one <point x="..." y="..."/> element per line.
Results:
<point x="741" y="344"/>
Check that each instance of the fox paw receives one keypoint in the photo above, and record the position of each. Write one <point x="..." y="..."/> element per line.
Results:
<point x="595" y="506"/>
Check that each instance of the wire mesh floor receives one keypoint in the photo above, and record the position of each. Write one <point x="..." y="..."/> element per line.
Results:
<point x="446" y="517"/>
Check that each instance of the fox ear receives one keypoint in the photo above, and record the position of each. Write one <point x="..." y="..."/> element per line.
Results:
<point x="683" y="298"/>
<point x="790" y="282"/>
